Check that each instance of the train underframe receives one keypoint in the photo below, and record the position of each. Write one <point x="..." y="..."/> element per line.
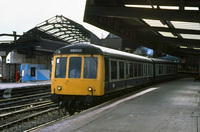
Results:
<point x="74" y="103"/>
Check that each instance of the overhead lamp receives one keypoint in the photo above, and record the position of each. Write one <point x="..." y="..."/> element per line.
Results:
<point x="141" y="6"/>
<point x="169" y="7"/>
<point x="192" y="8"/>
<point x="183" y="47"/>
<point x="196" y="48"/>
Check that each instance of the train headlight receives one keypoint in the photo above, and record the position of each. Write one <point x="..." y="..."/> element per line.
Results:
<point x="59" y="88"/>
<point x="90" y="89"/>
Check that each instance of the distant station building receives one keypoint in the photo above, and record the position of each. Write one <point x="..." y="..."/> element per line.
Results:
<point x="37" y="45"/>
<point x="116" y="42"/>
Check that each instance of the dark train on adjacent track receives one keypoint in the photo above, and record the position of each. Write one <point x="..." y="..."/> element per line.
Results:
<point x="84" y="73"/>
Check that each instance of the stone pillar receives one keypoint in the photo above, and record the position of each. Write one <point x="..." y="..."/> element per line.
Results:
<point x="4" y="76"/>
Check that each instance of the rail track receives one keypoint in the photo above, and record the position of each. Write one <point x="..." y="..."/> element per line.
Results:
<point x="24" y="91"/>
<point x="23" y="112"/>
<point x="15" y="117"/>
<point x="23" y="99"/>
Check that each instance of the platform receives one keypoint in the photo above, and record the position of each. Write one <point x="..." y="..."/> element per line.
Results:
<point x="167" y="107"/>
<point x="24" y="84"/>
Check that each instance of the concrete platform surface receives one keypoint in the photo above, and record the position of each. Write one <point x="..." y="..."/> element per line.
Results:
<point x="24" y="84"/>
<point x="172" y="106"/>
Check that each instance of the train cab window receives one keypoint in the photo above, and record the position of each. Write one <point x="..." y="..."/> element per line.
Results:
<point x="61" y="63"/>
<point x="113" y="70"/>
<point x="121" y="69"/>
<point x="90" y="67"/>
<point x="75" y="67"/>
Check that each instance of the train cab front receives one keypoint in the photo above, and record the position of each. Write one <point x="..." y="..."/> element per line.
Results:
<point x="77" y="80"/>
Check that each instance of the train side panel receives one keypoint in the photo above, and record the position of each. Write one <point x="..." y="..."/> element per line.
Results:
<point x="164" y="69"/>
<point x="124" y="74"/>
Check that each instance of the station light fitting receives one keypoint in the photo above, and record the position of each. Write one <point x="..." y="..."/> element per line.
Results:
<point x="183" y="47"/>
<point x="196" y="48"/>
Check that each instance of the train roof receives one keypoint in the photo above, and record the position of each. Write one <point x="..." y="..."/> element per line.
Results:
<point x="157" y="60"/>
<point x="83" y="48"/>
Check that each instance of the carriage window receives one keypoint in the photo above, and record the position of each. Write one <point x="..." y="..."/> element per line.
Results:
<point x="142" y="69"/>
<point x="167" y="69"/>
<point x="61" y="63"/>
<point x="75" y="67"/>
<point x="135" y="70"/>
<point x="171" y="69"/>
<point x="121" y="69"/>
<point x="139" y="70"/>
<point x="160" y="69"/>
<point x="149" y="70"/>
<point x="113" y="70"/>
<point x="90" y="67"/>
<point x="174" y="69"/>
<point x="164" y="69"/>
<point x="127" y="70"/>
<point x="131" y="69"/>
<point x="145" y="69"/>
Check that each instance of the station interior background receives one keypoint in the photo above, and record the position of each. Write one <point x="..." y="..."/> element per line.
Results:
<point x="14" y="60"/>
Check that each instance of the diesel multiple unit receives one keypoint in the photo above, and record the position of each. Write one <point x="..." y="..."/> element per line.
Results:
<point x="84" y="73"/>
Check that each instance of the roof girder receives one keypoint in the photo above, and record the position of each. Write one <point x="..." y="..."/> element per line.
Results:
<point x="128" y="23"/>
<point x="156" y="14"/>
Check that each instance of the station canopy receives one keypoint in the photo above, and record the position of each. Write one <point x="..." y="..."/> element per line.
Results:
<point x="171" y="26"/>
<point x="62" y="29"/>
<point x="50" y="35"/>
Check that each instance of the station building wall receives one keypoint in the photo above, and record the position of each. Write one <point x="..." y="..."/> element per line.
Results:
<point x="14" y="61"/>
<point x="15" y="58"/>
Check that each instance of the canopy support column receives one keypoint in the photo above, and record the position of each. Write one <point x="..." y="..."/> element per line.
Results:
<point x="4" y="76"/>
